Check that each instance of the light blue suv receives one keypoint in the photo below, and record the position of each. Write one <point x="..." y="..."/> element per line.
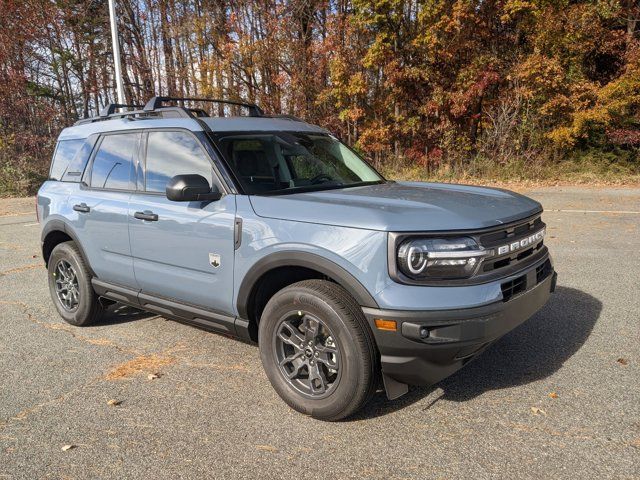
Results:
<point x="272" y="230"/>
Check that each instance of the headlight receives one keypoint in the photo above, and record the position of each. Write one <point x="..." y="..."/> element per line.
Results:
<point x="420" y="258"/>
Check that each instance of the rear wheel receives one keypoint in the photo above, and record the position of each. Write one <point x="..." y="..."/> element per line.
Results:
<point x="70" y="286"/>
<point x="317" y="350"/>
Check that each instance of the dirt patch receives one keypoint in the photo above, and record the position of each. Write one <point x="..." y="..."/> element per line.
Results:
<point x="141" y="364"/>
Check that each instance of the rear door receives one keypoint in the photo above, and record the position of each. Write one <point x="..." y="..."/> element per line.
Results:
<point x="99" y="208"/>
<point x="182" y="250"/>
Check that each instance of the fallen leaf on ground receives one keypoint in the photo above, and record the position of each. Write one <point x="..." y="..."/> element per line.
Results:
<point x="267" y="448"/>
<point x="553" y="395"/>
<point x="538" y="411"/>
<point x="152" y="376"/>
<point x="67" y="447"/>
<point x="113" y="403"/>
<point x="623" y="361"/>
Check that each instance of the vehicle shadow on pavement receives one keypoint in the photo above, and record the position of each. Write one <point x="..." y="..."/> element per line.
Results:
<point x="533" y="351"/>
<point x="118" y="313"/>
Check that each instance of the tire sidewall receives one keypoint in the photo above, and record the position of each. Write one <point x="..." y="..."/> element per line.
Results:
<point x="83" y="314"/>
<point x="351" y="376"/>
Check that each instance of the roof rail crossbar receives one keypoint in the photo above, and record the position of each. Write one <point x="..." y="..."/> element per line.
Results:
<point x="112" y="107"/>
<point x="138" y="115"/>
<point x="156" y="103"/>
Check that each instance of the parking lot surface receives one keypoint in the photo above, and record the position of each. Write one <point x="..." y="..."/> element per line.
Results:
<point x="559" y="397"/>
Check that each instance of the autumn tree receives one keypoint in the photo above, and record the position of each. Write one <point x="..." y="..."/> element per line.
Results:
<point x="431" y="85"/>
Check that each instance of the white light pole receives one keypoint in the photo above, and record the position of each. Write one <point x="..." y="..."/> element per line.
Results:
<point x="116" y="51"/>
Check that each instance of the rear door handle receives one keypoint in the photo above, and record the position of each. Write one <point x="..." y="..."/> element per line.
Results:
<point x="82" y="207"/>
<point x="146" y="215"/>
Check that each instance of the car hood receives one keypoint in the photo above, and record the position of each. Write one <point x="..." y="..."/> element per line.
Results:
<point x="401" y="206"/>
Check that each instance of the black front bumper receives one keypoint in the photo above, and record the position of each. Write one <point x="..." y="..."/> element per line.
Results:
<point x="428" y="346"/>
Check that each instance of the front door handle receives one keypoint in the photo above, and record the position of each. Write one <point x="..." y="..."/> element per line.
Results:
<point x="146" y="215"/>
<point x="82" y="207"/>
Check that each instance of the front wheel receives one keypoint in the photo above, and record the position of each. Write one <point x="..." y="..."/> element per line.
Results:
<point x="70" y="286"/>
<point x="317" y="350"/>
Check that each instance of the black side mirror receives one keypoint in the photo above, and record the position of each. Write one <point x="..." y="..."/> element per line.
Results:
<point x="191" y="188"/>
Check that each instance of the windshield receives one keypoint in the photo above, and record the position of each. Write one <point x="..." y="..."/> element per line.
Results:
<point x="288" y="162"/>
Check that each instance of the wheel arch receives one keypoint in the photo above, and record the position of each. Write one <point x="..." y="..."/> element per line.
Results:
<point x="56" y="231"/>
<point x="297" y="266"/>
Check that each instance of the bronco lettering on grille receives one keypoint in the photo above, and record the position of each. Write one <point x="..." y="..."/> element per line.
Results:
<point x="522" y="243"/>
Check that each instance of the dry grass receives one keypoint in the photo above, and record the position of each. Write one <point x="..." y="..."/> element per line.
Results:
<point x="608" y="170"/>
<point x="141" y="364"/>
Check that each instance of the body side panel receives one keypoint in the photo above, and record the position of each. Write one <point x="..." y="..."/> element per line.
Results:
<point x="52" y="201"/>
<point x="172" y="255"/>
<point x="101" y="233"/>
<point x="104" y="233"/>
<point x="360" y="253"/>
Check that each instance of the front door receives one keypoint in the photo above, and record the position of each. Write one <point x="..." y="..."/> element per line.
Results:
<point x="181" y="250"/>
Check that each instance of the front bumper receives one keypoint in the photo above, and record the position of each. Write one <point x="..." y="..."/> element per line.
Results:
<point x="428" y="346"/>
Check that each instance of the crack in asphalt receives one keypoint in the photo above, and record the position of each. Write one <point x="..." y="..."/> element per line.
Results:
<point x="24" y="268"/>
<point x="67" y="328"/>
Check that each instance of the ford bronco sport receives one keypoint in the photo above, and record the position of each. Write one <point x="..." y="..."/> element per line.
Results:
<point x="270" y="229"/>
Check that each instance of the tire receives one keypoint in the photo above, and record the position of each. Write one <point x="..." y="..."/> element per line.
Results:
<point x="82" y="308"/>
<point x="338" y="374"/>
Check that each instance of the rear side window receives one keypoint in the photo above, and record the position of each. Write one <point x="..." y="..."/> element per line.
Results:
<point x="76" y="166"/>
<point x="174" y="153"/>
<point x="113" y="165"/>
<point x="66" y="151"/>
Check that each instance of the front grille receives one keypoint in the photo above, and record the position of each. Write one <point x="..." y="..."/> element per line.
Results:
<point x="513" y="287"/>
<point x="494" y="264"/>
<point x="497" y="237"/>
<point x="493" y="240"/>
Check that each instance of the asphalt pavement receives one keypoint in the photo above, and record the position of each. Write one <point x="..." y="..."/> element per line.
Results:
<point x="138" y="396"/>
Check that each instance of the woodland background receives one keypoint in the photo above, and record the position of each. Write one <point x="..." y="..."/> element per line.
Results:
<point x="471" y="90"/>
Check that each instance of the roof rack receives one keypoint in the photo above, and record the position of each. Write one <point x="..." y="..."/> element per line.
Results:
<point x="157" y="103"/>
<point x="155" y="108"/>
<point x="112" y="107"/>
<point x="164" y="112"/>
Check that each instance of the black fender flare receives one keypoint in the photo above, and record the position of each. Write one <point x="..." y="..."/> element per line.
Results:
<point x="57" y="225"/>
<point x="312" y="261"/>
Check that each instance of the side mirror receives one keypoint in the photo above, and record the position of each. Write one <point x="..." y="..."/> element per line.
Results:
<point x="191" y="188"/>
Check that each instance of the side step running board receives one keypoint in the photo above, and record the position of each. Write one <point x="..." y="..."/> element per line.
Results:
<point x="172" y="309"/>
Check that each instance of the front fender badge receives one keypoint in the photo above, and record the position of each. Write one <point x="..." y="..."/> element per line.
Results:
<point x="214" y="260"/>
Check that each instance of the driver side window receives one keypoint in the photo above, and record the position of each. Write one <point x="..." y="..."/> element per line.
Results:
<point x="174" y="153"/>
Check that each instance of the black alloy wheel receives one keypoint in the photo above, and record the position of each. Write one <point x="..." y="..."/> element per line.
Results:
<point x="307" y="354"/>
<point x="318" y="350"/>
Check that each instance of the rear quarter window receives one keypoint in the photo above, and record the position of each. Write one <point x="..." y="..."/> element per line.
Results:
<point x="70" y="159"/>
<point x="66" y="151"/>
